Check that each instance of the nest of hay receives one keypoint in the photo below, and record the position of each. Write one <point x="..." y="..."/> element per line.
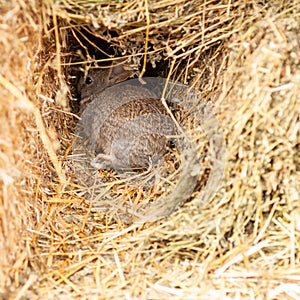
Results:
<point x="244" y="60"/>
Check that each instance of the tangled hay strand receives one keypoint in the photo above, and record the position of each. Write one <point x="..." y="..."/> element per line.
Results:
<point x="177" y="31"/>
<point x="244" y="243"/>
<point x="264" y="137"/>
<point x="18" y="139"/>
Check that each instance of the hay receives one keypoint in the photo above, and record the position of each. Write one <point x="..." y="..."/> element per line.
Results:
<point x="244" y="58"/>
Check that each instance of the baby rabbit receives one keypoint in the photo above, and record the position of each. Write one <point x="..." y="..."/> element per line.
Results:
<point x="126" y="124"/>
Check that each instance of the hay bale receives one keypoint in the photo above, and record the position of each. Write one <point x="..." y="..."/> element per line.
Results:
<point x="244" y="58"/>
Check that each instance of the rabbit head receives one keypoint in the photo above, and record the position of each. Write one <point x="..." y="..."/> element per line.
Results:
<point x="97" y="80"/>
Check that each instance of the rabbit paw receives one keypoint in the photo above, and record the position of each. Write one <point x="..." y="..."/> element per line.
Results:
<point x="102" y="161"/>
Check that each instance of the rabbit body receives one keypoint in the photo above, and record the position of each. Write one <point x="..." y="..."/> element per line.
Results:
<point x="126" y="124"/>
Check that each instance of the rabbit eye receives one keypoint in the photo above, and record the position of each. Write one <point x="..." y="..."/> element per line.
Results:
<point x="88" y="80"/>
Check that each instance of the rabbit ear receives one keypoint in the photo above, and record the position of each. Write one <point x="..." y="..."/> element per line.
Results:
<point x="119" y="71"/>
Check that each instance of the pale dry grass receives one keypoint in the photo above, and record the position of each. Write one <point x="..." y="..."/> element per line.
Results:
<point x="244" y="243"/>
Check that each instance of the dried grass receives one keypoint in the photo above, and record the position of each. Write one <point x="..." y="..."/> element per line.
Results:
<point x="245" y="59"/>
